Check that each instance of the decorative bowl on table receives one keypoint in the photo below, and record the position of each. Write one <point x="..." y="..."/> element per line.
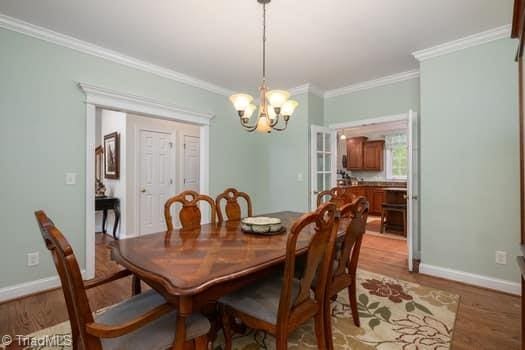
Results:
<point x="262" y="225"/>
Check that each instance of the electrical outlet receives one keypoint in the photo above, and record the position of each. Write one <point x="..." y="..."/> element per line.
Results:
<point x="300" y="177"/>
<point x="501" y="257"/>
<point x="33" y="259"/>
<point x="71" y="178"/>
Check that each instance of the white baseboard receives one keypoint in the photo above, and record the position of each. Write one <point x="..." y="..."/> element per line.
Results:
<point x="470" y="278"/>
<point x="26" y="288"/>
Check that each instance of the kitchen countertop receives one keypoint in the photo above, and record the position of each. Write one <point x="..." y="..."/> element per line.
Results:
<point x="392" y="184"/>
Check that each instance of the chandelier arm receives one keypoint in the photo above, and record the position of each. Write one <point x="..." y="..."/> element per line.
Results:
<point x="281" y="129"/>
<point x="247" y="126"/>
<point x="275" y="122"/>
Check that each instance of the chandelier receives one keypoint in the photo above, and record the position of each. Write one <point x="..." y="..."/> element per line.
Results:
<point x="274" y="104"/>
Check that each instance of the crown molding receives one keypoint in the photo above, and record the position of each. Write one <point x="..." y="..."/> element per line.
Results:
<point x="51" y="36"/>
<point x="463" y="43"/>
<point x="104" y="97"/>
<point x="305" y="88"/>
<point x="365" y="85"/>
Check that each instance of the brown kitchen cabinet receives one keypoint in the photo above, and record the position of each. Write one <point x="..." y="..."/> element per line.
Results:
<point x="364" y="155"/>
<point x="373" y="155"/>
<point x="376" y="197"/>
<point x="354" y="153"/>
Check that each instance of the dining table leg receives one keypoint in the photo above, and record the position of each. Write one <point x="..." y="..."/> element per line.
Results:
<point x="180" y="332"/>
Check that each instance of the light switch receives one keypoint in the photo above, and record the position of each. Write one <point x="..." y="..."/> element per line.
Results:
<point x="71" y="178"/>
<point x="300" y="177"/>
<point x="33" y="259"/>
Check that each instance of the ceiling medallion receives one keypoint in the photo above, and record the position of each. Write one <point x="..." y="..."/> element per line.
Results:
<point x="274" y="104"/>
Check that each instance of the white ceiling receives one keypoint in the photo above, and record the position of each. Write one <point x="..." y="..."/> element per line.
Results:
<point x="328" y="43"/>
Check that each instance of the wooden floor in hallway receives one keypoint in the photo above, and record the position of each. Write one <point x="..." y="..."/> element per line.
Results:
<point x="486" y="319"/>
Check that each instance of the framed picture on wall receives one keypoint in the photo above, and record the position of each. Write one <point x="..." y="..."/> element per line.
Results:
<point x="111" y="156"/>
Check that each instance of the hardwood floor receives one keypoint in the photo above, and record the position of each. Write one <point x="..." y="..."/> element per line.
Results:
<point x="486" y="319"/>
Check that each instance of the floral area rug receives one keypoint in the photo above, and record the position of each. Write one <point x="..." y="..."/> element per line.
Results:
<point x="395" y="314"/>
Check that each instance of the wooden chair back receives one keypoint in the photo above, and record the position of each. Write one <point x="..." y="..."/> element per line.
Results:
<point x="232" y="208"/>
<point x="319" y="258"/>
<point x="347" y="257"/>
<point x="340" y="196"/>
<point x="68" y="270"/>
<point x="190" y="214"/>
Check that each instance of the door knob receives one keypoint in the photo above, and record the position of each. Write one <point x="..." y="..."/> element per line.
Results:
<point x="143" y="190"/>
<point x="415" y="197"/>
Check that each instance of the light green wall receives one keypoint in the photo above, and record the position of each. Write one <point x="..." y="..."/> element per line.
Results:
<point x="470" y="160"/>
<point x="469" y="146"/>
<point x="381" y="101"/>
<point x="42" y="137"/>
<point x="285" y="156"/>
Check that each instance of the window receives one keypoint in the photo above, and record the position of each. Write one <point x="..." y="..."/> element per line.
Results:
<point x="396" y="156"/>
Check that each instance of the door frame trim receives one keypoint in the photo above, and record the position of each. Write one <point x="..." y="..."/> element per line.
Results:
<point x="99" y="97"/>
<point x="416" y="254"/>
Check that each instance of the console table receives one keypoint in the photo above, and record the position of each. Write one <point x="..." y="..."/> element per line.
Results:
<point x="105" y="203"/>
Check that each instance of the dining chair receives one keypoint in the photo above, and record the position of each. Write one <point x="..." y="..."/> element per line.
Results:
<point x="281" y="303"/>
<point x="232" y="208"/>
<point x="337" y="195"/>
<point x="189" y="214"/>
<point x="145" y="321"/>
<point x="346" y="257"/>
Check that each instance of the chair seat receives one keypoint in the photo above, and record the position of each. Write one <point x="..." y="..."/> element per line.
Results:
<point x="260" y="300"/>
<point x="158" y="334"/>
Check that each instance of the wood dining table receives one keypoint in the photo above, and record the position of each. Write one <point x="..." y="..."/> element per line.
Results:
<point x="194" y="268"/>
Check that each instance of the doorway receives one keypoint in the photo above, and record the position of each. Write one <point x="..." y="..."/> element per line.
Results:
<point x="376" y="158"/>
<point x="98" y="98"/>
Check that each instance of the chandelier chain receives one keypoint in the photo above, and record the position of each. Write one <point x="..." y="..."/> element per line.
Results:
<point x="264" y="44"/>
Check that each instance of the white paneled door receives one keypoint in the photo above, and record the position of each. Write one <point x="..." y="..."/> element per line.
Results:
<point x="156" y="169"/>
<point x="191" y="179"/>
<point x="322" y="161"/>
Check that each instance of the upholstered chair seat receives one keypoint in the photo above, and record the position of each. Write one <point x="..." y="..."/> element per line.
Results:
<point x="158" y="334"/>
<point x="261" y="300"/>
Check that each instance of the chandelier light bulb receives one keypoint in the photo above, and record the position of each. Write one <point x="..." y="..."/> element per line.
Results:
<point x="277" y="98"/>
<point x="289" y="107"/>
<point x="241" y="101"/>
<point x="263" y="125"/>
<point x="249" y="111"/>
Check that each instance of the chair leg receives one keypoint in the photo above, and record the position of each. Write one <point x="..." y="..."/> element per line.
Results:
<point x="320" y="333"/>
<point x="281" y="341"/>
<point x="352" y="297"/>
<point x="201" y="343"/>
<point x="136" y="288"/>
<point x="328" y="326"/>
<point x="227" y="328"/>
<point x="382" y="221"/>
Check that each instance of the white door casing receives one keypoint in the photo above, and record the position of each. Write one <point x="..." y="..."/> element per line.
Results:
<point x="412" y="188"/>
<point x="323" y="158"/>
<point x="191" y="174"/>
<point x="100" y="97"/>
<point x="413" y="234"/>
<point x="156" y="178"/>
